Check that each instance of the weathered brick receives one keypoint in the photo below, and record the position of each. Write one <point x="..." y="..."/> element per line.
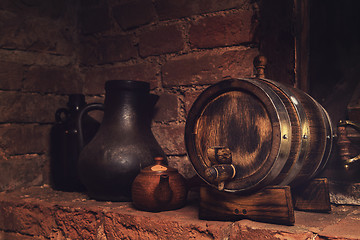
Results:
<point x="53" y="80"/>
<point x="94" y="19"/>
<point x="134" y="14"/>
<point x="88" y="3"/>
<point x="46" y="9"/>
<point x="29" y="107"/>
<point x="81" y="224"/>
<point x="17" y="236"/>
<point x="49" y="214"/>
<point x="167" y="108"/>
<point x="183" y="165"/>
<point x="107" y="50"/>
<point x="164" y="39"/>
<point x="21" y="171"/>
<point x="249" y="230"/>
<point x="95" y="78"/>
<point x="11" y="75"/>
<point x="118" y="48"/>
<point x="209" y="67"/>
<point x="121" y="226"/>
<point x="25" y="138"/>
<point x="88" y="52"/>
<point x="36" y="34"/>
<point x="190" y="98"/>
<point x="169" y="9"/>
<point x="225" y="30"/>
<point x="347" y="228"/>
<point x="170" y="138"/>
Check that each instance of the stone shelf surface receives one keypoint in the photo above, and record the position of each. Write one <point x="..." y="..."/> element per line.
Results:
<point x="42" y="213"/>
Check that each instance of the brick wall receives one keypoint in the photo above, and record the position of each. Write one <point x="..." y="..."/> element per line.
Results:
<point x="38" y="67"/>
<point x="179" y="47"/>
<point x="49" y="49"/>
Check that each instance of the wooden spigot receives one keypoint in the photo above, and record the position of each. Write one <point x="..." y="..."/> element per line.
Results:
<point x="219" y="155"/>
<point x="219" y="174"/>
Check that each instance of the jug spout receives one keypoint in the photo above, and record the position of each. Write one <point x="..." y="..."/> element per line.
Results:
<point x="163" y="193"/>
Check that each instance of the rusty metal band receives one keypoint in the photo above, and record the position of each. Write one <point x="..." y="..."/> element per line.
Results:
<point x="304" y="133"/>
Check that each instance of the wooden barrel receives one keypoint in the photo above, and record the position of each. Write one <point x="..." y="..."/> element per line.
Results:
<point x="272" y="135"/>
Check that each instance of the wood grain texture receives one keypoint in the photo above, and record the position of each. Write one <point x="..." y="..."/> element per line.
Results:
<point x="313" y="196"/>
<point x="277" y="135"/>
<point x="317" y="137"/>
<point x="272" y="204"/>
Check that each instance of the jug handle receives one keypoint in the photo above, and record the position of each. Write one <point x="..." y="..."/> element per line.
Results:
<point x="87" y="108"/>
<point x="344" y="142"/>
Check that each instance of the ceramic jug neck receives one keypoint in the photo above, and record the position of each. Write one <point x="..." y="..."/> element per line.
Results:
<point x="127" y="108"/>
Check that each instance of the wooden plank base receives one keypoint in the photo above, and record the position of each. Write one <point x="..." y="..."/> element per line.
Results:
<point x="272" y="204"/>
<point x="313" y="196"/>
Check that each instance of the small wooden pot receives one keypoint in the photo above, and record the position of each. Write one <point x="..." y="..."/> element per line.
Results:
<point x="159" y="188"/>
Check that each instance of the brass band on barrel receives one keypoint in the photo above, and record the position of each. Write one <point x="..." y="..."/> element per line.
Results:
<point x="304" y="132"/>
<point x="285" y="129"/>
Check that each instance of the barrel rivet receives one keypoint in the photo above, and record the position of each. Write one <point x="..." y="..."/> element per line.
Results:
<point x="285" y="136"/>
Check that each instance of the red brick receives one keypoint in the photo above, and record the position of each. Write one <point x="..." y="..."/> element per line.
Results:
<point x="247" y="231"/>
<point x="95" y="78"/>
<point x="164" y="39"/>
<point x="228" y="30"/>
<point x="167" y="108"/>
<point x="89" y="51"/>
<point x="17" y="236"/>
<point x="169" y="9"/>
<point x="107" y="50"/>
<point x="190" y="98"/>
<point x="43" y="212"/>
<point x="88" y="3"/>
<point x="29" y="107"/>
<point x="208" y="68"/>
<point x="170" y="138"/>
<point x="94" y="19"/>
<point x="36" y="34"/>
<point x="44" y="9"/>
<point x="347" y="228"/>
<point x="118" y="48"/>
<point x="22" y="171"/>
<point x="64" y="80"/>
<point x="77" y="224"/>
<point x="144" y="226"/>
<point x="134" y="14"/>
<point x="11" y="75"/>
<point x="25" y="138"/>
<point x="183" y="165"/>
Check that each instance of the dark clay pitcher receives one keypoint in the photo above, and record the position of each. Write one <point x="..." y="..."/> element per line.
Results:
<point x="124" y="143"/>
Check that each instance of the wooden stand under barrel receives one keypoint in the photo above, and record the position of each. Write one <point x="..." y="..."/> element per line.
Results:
<point x="273" y="204"/>
<point x="258" y="145"/>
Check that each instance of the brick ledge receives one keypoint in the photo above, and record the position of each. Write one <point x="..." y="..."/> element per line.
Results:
<point x="42" y="213"/>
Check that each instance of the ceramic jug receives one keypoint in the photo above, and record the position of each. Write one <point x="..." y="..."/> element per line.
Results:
<point x="159" y="188"/>
<point x="124" y="143"/>
<point x="65" y="146"/>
